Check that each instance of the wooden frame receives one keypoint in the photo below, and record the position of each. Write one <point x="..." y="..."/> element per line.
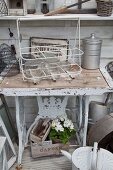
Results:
<point x="3" y="154"/>
<point x="38" y="41"/>
<point x="17" y="7"/>
<point x="11" y="160"/>
<point x="7" y="119"/>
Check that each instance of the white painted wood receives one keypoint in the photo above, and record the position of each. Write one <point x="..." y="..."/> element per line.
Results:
<point x="59" y="3"/>
<point x="53" y="92"/>
<point x="89" y="5"/>
<point x="84" y="17"/>
<point x="21" y="127"/>
<point x="13" y="158"/>
<point x="86" y="110"/>
<point x="2" y="143"/>
<point x="3" y="159"/>
<point x="103" y="32"/>
<point x="5" y="163"/>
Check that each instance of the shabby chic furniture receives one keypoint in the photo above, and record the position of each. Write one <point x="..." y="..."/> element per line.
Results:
<point x="90" y="82"/>
<point x="89" y="85"/>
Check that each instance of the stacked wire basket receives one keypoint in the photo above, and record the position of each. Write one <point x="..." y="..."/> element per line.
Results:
<point x="49" y="62"/>
<point x="50" y="58"/>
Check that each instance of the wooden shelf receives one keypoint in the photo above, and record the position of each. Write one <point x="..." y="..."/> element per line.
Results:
<point x="58" y="17"/>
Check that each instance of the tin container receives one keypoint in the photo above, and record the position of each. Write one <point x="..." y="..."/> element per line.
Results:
<point x="92" y="51"/>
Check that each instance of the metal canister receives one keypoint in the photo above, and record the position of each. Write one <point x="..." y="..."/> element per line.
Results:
<point x="92" y="51"/>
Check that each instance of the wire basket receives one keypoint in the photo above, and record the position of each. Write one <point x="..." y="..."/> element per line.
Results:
<point x="104" y="8"/>
<point x="49" y="62"/>
<point x="9" y="65"/>
<point x="49" y="58"/>
<point x="109" y="68"/>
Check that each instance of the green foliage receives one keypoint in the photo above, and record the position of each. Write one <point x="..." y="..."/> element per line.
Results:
<point x="63" y="136"/>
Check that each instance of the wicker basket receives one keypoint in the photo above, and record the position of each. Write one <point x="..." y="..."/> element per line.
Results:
<point x="104" y="7"/>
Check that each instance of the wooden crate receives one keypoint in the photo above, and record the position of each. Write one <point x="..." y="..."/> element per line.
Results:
<point x="40" y="131"/>
<point x="47" y="149"/>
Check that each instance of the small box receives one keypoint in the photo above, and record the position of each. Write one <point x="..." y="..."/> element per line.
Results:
<point x="47" y="149"/>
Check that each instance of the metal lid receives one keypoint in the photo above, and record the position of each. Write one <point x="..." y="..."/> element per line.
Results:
<point x="92" y="39"/>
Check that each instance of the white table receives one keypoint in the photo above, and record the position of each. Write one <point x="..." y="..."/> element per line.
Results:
<point x="90" y="82"/>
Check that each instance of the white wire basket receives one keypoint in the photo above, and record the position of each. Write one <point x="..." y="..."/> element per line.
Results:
<point x="49" y="62"/>
<point x="48" y="58"/>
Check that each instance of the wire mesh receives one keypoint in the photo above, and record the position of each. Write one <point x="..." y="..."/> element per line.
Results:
<point x="49" y="62"/>
<point x="8" y="63"/>
<point x="109" y="68"/>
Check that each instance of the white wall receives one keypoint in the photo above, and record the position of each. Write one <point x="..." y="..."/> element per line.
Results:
<point x="59" y="3"/>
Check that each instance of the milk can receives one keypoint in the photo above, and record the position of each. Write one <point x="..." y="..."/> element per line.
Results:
<point x="92" y="51"/>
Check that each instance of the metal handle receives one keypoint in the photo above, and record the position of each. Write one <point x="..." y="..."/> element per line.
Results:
<point x="94" y="157"/>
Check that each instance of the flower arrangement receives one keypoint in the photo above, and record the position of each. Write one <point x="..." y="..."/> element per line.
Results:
<point x="62" y="129"/>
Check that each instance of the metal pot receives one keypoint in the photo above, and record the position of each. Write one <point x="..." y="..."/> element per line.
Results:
<point x="92" y="51"/>
<point x="97" y="110"/>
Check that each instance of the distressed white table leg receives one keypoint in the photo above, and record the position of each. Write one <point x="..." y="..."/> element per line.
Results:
<point x="86" y="110"/>
<point x="3" y="159"/>
<point x="20" y="121"/>
<point x="80" y="115"/>
<point x="30" y="128"/>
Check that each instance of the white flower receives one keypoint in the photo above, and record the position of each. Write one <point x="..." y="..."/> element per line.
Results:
<point x="63" y="118"/>
<point x="59" y="128"/>
<point x="67" y="123"/>
<point x="72" y="126"/>
<point x="56" y="121"/>
<point x="53" y="124"/>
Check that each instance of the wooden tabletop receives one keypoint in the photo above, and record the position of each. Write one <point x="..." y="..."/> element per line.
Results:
<point x="87" y="79"/>
<point x="89" y="82"/>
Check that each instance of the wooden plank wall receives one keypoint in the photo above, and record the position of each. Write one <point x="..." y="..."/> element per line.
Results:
<point x="60" y="29"/>
<point x="59" y="3"/>
<point x="56" y="29"/>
